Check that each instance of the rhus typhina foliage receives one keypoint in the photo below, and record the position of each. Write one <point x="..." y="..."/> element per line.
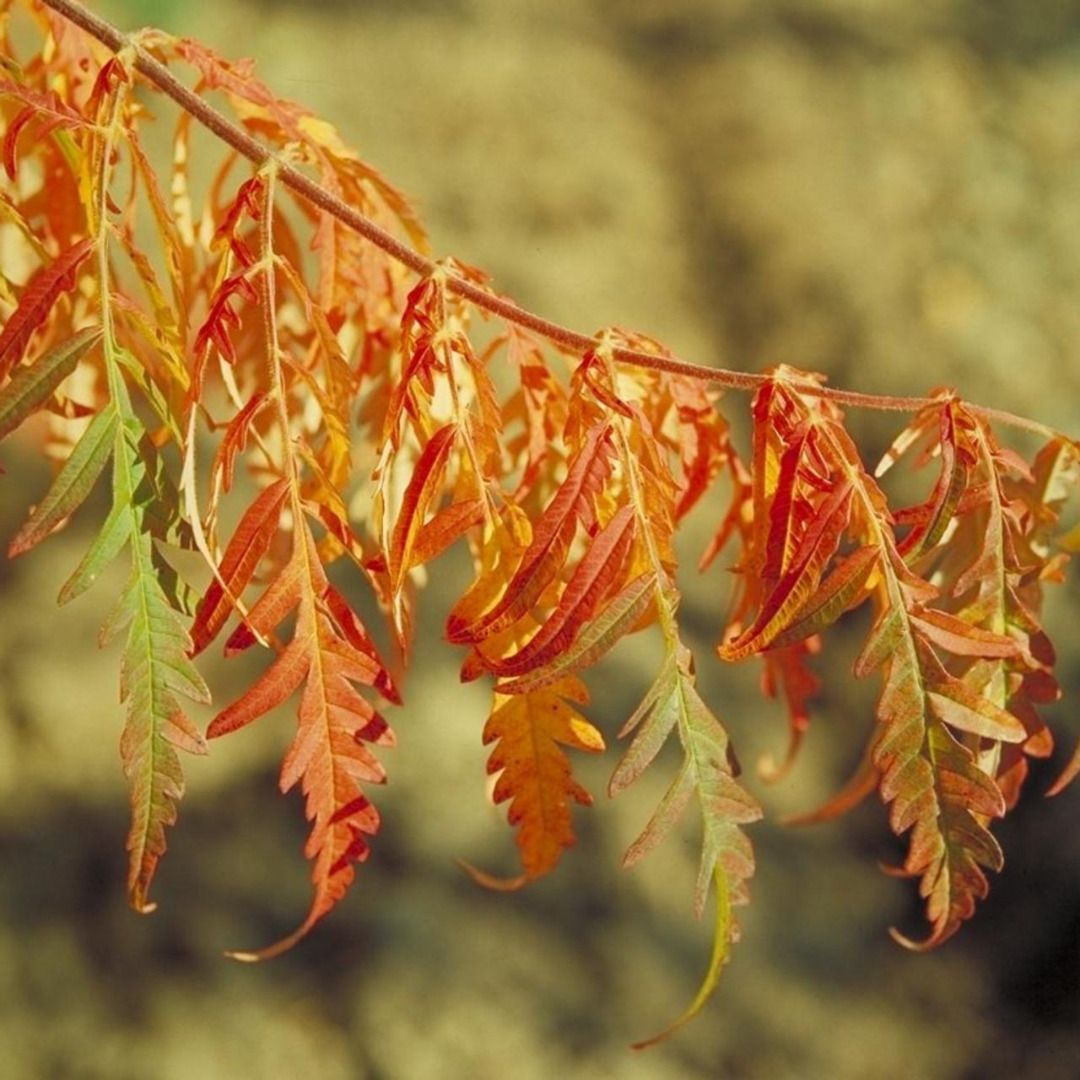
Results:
<point x="269" y="312"/>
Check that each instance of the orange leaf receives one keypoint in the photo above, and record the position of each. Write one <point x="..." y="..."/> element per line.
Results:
<point x="329" y="652"/>
<point x="950" y="849"/>
<point x="234" y="441"/>
<point x="841" y="590"/>
<point x="424" y="487"/>
<point x="950" y="486"/>
<point x="599" y="635"/>
<point x="444" y="528"/>
<point x="529" y="732"/>
<point x="48" y="110"/>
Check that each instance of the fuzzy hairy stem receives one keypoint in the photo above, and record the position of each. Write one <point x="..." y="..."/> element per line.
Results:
<point x="408" y="256"/>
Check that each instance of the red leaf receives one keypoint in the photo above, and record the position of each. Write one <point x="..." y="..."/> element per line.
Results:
<point x="49" y="109"/>
<point x="797" y="586"/>
<point x="242" y="557"/>
<point x="786" y="673"/>
<point x="234" y="441"/>
<point x="593" y="578"/>
<point x="37" y="300"/>
<point x="552" y="536"/>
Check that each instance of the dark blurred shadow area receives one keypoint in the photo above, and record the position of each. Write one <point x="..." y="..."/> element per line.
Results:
<point x="884" y="191"/>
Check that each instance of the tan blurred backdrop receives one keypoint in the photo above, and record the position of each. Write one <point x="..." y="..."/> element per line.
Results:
<point x="886" y="191"/>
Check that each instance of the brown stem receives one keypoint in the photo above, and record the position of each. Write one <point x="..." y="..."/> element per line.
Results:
<point x="569" y="339"/>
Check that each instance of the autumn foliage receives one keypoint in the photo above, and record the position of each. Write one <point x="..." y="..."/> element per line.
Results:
<point x="194" y="347"/>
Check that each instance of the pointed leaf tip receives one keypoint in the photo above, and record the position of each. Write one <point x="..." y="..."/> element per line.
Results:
<point x="1068" y="775"/>
<point x="257" y="956"/>
<point x="937" y="936"/>
<point x="493" y="881"/>
<point x="721" y="942"/>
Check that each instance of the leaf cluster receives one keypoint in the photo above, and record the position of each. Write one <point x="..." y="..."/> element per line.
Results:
<point x="174" y="339"/>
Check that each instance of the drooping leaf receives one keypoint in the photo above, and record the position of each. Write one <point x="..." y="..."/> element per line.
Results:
<point x="835" y="595"/>
<point x="950" y="851"/>
<point x="422" y="489"/>
<point x="787" y="674"/>
<point x="234" y="441"/>
<point x="107" y="545"/>
<point x="718" y="957"/>
<point x="328" y="653"/>
<point x="727" y="860"/>
<point x="776" y="508"/>
<point x="673" y="704"/>
<point x="590" y="585"/>
<point x="73" y="482"/>
<point x="551" y="540"/>
<point x="1001" y="553"/>
<point x="32" y="386"/>
<point x="932" y="782"/>
<point x="47" y="111"/>
<point x="242" y="557"/>
<point x="938" y="426"/>
<point x="529" y="731"/>
<point x="336" y="356"/>
<point x="436" y="535"/>
<point x="935" y="785"/>
<point x="156" y="673"/>
<point x="600" y="635"/>
<point x="799" y="586"/>
<point x="37" y="300"/>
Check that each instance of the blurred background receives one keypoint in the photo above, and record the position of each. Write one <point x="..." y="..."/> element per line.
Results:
<point x="887" y="192"/>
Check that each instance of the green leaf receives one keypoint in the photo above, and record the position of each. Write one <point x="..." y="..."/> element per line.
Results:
<point x="156" y="670"/>
<point x="73" y="483"/>
<point x="669" y="809"/>
<point x="647" y="743"/>
<point x="32" y="386"/>
<point x="727" y="859"/>
<point x="110" y="541"/>
<point x="155" y="397"/>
